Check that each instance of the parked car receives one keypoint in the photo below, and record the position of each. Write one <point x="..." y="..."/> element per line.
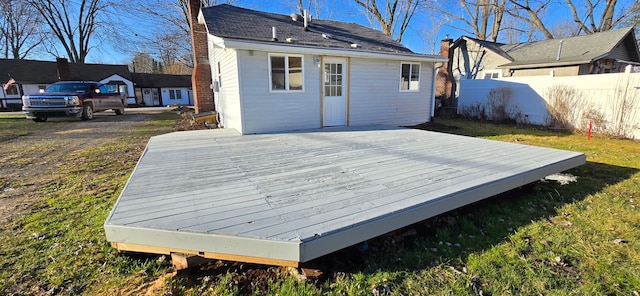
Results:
<point x="73" y="99"/>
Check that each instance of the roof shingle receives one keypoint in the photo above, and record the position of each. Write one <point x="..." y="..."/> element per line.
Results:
<point x="227" y="21"/>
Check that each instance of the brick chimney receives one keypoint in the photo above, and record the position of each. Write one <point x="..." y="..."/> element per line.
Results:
<point x="444" y="79"/>
<point x="201" y="77"/>
<point x="64" y="71"/>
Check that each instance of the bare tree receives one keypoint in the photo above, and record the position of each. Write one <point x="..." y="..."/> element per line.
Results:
<point x="590" y="16"/>
<point x="19" y="28"/>
<point x="320" y="9"/>
<point x="483" y="19"/>
<point x="394" y="19"/>
<point x="532" y="14"/>
<point x="170" y="39"/>
<point x="73" y="23"/>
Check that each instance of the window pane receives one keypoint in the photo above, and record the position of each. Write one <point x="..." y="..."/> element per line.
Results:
<point x="277" y="73"/>
<point x="172" y="95"/>
<point x="415" y="72"/>
<point x="11" y="89"/>
<point x="295" y="79"/>
<point x="295" y="73"/>
<point x="404" y="79"/>
<point x="178" y="94"/>
<point x="339" y="90"/>
<point x="415" y="76"/>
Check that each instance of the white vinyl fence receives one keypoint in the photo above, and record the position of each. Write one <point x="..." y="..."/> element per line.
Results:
<point x="610" y="102"/>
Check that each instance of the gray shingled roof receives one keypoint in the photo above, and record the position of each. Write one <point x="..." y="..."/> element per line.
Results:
<point x="29" y="71"/>
<point x="160" y="80"/>
<point x="227" y="21"/>
<point x="575" y="50"/>
<point x="45" y="72"/>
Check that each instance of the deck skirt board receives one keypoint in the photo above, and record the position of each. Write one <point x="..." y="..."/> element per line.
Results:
<point x="309" y="192"/>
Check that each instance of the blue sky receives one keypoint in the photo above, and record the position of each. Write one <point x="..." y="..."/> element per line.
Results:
<point x="423" y="35"/>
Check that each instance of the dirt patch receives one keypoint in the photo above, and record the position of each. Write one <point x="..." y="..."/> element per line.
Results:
<point x="30" y="162"/>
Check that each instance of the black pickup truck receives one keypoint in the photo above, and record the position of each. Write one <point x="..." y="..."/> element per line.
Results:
<point x="73" y="99"/>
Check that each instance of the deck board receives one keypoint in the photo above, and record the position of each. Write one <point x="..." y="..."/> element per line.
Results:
<point x="293" y="197"/>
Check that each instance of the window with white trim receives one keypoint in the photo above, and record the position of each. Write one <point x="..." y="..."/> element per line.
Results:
<point x="410" y="76"/>
<point x="175" y="94"/>
<point x="285" y="72"/>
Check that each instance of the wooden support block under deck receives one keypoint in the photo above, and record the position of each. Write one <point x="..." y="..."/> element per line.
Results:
<point x="208" y="255"/>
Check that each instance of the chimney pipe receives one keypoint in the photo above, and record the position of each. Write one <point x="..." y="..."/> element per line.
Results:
<point x="306" y="19"/>
<point x="274" y="34"/>
<point x="559" y="51"/>
<point x="64" y="70"/>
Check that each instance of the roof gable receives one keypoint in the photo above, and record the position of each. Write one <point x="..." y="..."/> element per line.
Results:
<point x="227" y="21"/>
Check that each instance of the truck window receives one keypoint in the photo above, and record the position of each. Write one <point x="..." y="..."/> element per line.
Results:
<point x="68" y="88"/>
<point x="109" y="88"/>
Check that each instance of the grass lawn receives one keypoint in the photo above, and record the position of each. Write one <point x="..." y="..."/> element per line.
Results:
<point x="582" y="238"/>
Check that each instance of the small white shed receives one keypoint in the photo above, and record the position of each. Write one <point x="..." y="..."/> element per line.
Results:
<point x="274" y="72"/>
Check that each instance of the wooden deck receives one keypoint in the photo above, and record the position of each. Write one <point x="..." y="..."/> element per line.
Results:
<point x="288" y="198"/>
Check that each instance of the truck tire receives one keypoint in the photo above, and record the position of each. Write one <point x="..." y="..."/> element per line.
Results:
<point x="119" y="111"/>
<point x="40" y="119"/>
<point x="87" y="111"/>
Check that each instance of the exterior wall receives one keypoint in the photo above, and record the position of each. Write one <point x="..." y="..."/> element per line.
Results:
<point x="469" y="60"/>
<point x="376" y="98"/>
<point x="597" y="94"/>
<point x="245" y="102"/>
<point x="264" y="110"/>
<point x="227" y="96"/>
<point x="185" y="96"/>
<point x="557" y="71"/>
<point x="129" y="92"/>
<point x="33" y="88"/>
<point x="620" y="52"/>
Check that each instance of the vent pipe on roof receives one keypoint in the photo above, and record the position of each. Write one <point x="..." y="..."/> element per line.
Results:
<point x="306" y="20"/>
<point x="559" y="51"/>
<point x="274" y="34"/>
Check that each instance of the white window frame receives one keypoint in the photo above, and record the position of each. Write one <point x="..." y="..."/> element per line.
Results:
<point x="491" y="72"/>
<point x="411" y="87"/>
<point x="286" y="71"/>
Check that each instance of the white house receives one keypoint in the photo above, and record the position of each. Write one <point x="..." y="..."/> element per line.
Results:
<point x="162" y="89"/>
<point x="275" y="72"/>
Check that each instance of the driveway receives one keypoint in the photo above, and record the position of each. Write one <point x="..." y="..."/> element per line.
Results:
<point x="31" y="161"/>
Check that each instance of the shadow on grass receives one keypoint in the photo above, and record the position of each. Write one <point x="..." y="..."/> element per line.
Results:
<point x="452" y="236"/>
<point x="487" y="129"/>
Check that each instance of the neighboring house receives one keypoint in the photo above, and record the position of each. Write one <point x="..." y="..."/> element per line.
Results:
<point x="274" y="72"/>
<point x="32" y="76"/>
<point x="162" y="89"/>
<point x="604" y="52"/>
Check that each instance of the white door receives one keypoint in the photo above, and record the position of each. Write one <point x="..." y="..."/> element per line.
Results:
<point x="335" y="92"/>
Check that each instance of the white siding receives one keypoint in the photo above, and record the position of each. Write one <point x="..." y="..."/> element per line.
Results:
<point x="228" y="97"/>
<point x="376" y="98"/>
<point x="266" y="111"/>
<point x="30" y="89"/>
<point x="131" y="94"/>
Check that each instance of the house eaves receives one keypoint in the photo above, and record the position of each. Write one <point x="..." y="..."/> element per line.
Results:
<point x="322" y="51"/>
<point x="493" y="47"/>
<point x="542" y="64"/>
